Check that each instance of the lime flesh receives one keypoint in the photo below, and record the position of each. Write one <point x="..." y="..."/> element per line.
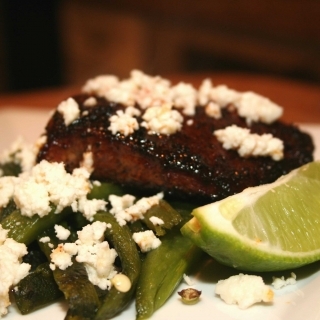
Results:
<point x="265" y="228"/>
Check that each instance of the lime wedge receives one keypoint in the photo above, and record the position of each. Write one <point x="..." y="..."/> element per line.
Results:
<point x="266" y="228"/>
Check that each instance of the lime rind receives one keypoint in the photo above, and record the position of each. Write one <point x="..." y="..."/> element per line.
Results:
<point x="276" y="243"/>
<point x="246" y="255"/>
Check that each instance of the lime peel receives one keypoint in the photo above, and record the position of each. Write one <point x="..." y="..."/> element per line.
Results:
<point x="239" y="231"/>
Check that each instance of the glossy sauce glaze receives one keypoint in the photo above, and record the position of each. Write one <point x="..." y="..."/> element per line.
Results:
<point x="190" y="164"/>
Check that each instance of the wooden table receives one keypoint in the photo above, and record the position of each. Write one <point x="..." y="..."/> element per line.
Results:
<point x="301" y="101"/>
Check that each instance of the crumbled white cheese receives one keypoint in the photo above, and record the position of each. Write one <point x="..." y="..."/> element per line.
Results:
<point x="146" y="240"/>
<point x="91" y="250"/>
<point x="61" y="258"/>
<point x="156" y="92"/>
<point x="184" y="96"/>
<point x="100" y="84"/>
<point x="70" y="110"/>
<point x="250" y="144"/>
<point x="62" y="233"/>
<point x="139" y="88"/>
<point x="12" y="269"/>
<point x="120" y="203"/>
<point x="92" y="233"/>
<point x="249" y="105"/>
<point x="148" y="90"/>
<point x="90" y="102"/>
<point x="99" y="262"/>
<point x="22" y="153"/>
<point x="124" y="122"/>
<point x="213" y="110"/>
<point x="279" y="283"/>
<point x="44" y="239"/>
<point x="96" y="183"/>
<point x="90" y="207"/>
<point x="244" y="290"/>
<point x="204" y="92"/>
<point x="255" y="107"/>
<point x="96" y="254"/>
<point x="143" y="89"/>
<point x="3" y="234"/>
<point x="32" y="198"/>
<point x="188" y="280"/>
<point x="87" y="161"/>
<point x="221" y="94"/>
<point x="6" y="189"/>
<point x="124" y="209"/>
<point x="162" y="119"/>
<point x="156" y="221"/>
<point x="49" y="183"/>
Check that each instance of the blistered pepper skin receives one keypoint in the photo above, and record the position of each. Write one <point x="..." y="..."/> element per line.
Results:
<point x="121" y="238"/>
<point x="162" y="271"/>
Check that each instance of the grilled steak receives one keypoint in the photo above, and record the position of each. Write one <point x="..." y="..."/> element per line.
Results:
<point x="189" y="164"/>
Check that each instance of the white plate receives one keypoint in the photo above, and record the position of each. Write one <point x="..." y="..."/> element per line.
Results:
<point x="294" y="302"/>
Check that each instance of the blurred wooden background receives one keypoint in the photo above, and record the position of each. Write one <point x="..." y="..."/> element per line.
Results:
<point x="85" y="38"/>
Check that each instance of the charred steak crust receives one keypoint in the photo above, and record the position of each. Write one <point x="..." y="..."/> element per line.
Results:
<point x="190" y="164"/>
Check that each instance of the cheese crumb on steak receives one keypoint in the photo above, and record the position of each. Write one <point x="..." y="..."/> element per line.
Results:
<point x="149" y="135"/>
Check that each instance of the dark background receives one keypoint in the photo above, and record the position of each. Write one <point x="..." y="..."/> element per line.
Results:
<point x="48" y="43"/>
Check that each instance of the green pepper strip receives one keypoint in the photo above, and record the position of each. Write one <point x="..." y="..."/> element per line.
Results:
<point x="79" y="292"/>
<point x="166" y="213"/>
<point x="162" y="271"/>
<point x="121" y="238"/>
<point x="104" y="189"/>
<point x="26" y="229"/>
<point x="7" y="210"/>
<point x="36" y="289"/>
<point x="10" y="169"/>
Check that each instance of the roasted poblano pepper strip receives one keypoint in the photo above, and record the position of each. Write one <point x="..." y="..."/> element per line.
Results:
<point x="79" y="292"/>
<point x="162" y="271"/>
<point x="25" y="229"/>
<point x="7" y="210"/>
<point x="166" y="213"/>
<point x="10" y="169"/>
<point x="35" y="256"/>
<point x="103" y="190"/>
<point x="137" y="226"/>
<point x="121" y="238"/>
<point x="37" y="289"/>
<point x="47" y="247"/>
<point x="76" y="221"/>
<point x="184" y="208"/>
